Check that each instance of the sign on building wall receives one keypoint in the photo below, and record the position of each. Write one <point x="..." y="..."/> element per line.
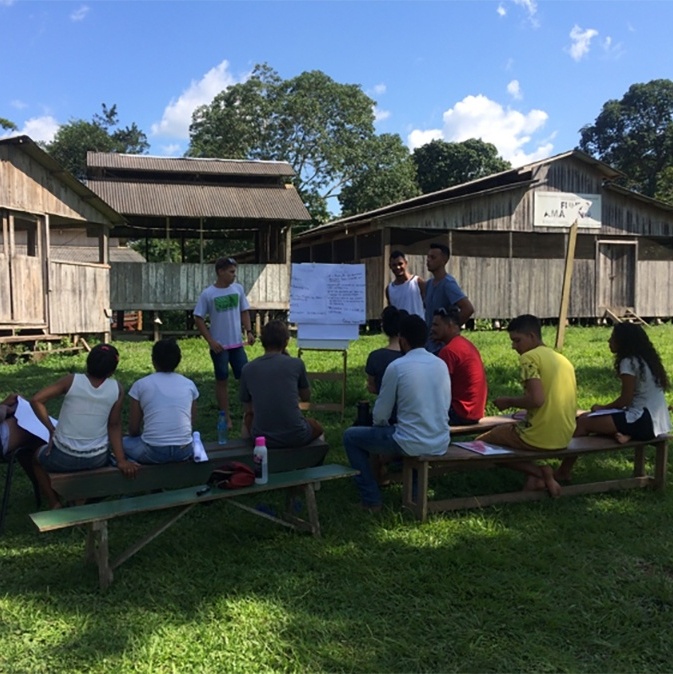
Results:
<point x="561" y="209"/>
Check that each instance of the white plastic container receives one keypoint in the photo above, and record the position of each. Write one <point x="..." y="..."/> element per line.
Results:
<point x="260" y="458"/>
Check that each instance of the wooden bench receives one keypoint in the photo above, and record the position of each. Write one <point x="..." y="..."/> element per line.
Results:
<point x="417" y="471"/>
<point x="484" y="424"/>
<point x="96" y="516"/>
<point x="109" y="481"/>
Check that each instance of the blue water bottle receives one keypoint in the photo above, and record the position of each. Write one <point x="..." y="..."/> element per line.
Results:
<point x="222" y="429"/>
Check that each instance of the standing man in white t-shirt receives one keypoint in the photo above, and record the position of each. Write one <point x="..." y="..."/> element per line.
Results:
<point x="226" y="305"/>
<point x="407" y="291"/>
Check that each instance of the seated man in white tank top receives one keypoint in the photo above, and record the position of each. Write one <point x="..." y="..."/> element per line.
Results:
<point x="89" y="424"/>
<point x="407" y="291"/>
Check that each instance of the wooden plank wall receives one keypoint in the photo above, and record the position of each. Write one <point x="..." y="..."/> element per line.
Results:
<point x="374" y="291"/>
<point x="653" y="288"/>
<point x="78" y="299"/>
<point x="163" y="286"/>
<point x="499" y="289"/>
<point x="5" y="295"/>
<point x="25" y="185"/>
<point x="28" y="290"/>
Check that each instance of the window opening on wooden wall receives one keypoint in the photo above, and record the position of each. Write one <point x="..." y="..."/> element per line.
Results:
<point x="25" y="237"/>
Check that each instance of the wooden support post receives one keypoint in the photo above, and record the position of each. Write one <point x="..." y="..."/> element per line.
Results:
<point x="639" y="462"/>
<point x="660" y="462"/>
<point x="565" y="293"/>
<point x="98" y="548"/>
<point x="312" y="509"/>
<point x="156" y="324"/>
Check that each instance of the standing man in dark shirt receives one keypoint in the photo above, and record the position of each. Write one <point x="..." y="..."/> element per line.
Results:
<point x="443" y="291"/>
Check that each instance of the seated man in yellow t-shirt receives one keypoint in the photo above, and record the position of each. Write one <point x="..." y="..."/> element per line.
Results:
<point x="549" y="398"/>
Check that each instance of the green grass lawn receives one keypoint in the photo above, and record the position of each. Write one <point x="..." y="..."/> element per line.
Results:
<point x="581" y="584"/>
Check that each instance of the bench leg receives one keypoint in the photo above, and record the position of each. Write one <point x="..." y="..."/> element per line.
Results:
<point x="97" y="550"/>
<point x="312" y="509"/>
<point x="639" y="462"/>
<point x="660" y="464"/>
<point x="415" y="487"/>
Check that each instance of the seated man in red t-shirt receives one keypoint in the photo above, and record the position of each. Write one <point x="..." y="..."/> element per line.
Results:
<point x="468" y="378"/>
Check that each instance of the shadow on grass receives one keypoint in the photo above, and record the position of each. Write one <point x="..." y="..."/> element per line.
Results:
<point x="580" y="584"/>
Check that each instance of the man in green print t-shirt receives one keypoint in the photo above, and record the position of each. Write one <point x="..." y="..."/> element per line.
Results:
<point x="226" y="305"/>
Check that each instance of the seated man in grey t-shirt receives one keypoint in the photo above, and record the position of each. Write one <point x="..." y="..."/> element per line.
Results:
<point x="271" y="388"/>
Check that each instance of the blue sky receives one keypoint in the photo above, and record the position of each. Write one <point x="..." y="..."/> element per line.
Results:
<point x="522" y="74"/>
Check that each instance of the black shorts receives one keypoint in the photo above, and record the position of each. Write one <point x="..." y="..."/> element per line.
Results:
<point x="640" y="429"/>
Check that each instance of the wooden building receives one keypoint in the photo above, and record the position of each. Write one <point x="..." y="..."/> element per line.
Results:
<point x="201" y="199"/>
<point x="42" y="292"/>
<point x="508" y="234"/>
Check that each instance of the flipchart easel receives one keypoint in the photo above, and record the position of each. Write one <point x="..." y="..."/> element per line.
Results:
<point x="327" y="301"/>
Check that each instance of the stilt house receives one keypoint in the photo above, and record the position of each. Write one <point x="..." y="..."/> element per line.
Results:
<point x="43" y="292"/>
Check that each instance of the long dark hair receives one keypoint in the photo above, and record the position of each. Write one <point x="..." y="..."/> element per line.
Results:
<point x="631" y="341"/>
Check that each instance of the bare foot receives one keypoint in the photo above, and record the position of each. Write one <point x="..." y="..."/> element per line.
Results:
<point x="553" y="487"/>
<point x="534" y="484"/>
<point x="621" y="438"/>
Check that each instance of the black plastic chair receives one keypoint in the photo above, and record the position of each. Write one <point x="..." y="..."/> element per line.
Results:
<point x="23" y="456"/>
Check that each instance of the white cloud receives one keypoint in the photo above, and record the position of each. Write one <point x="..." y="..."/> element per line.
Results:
<point x="379" y="89"/>
<point x="511" y="131"/>
<point x="417" y="137"/>
<point x="38" y="128"/>
<point x="171" y="150"/>
<point x="580" y="42"/>
<point x="612" y="50"/>
<point x="178" y="113"/>
<point x="530" y="7"/>
<point x="380" y="115"/>
<point x="79" y="14"/>
<point x="19" y="105"/>
<point x="514" y="90"/>
<point x="501" y="10"/>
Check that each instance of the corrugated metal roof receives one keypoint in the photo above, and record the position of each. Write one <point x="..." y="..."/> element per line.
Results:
<point x="202" y="201"/>
<point x="139" y="162"/>
<point x="508" y="179"/>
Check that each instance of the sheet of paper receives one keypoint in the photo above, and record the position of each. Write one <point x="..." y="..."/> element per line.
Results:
<point x="483" y="448"/>
<point x="328" y="293"/>
<point x="600" y="413"/>
<point x="26" y="418"/>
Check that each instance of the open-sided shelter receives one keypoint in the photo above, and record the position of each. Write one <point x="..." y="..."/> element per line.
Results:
<point x="508" y="233"/>
<point x="184" y="198"/>
<point x="43" y="291"/>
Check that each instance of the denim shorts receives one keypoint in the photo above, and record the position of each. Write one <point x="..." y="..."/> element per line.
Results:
<point x="234" y="357"/>
<point x="136" y="449"/>
<point x="57" y="461"/>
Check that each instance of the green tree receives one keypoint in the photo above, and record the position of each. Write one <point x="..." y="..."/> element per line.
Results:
<point x="440" y="164"/>
<point x="319" y="126"/>
<point x="387" y="175"/>
<point x="7" y="124"/>
<point x="635" y="134"/>
<point x="664" y="189"/>
<point x="74" y="139"/>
